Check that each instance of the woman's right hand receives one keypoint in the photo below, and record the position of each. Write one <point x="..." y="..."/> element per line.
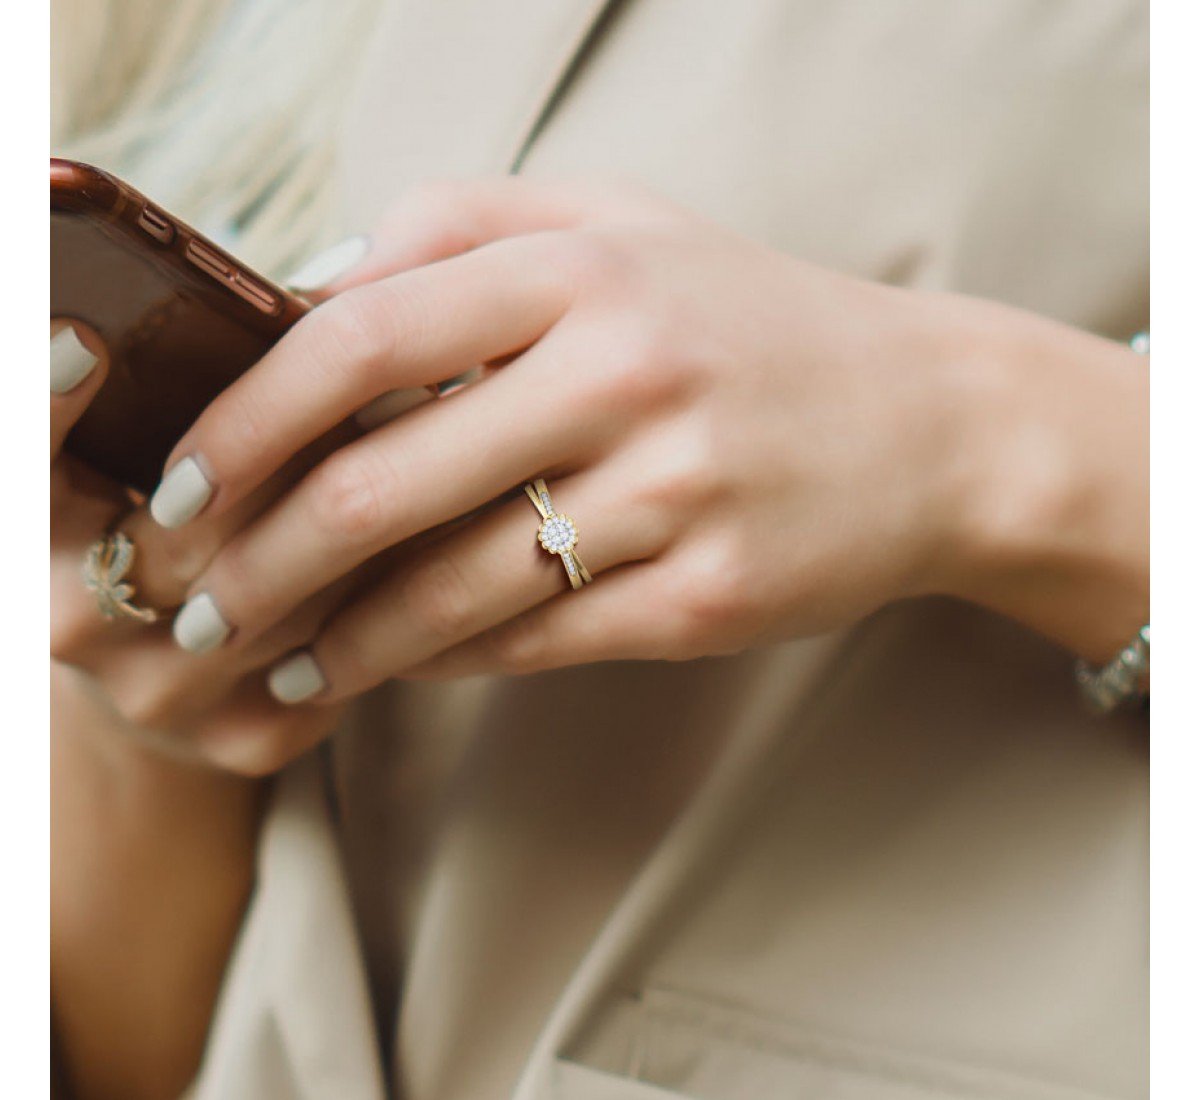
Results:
<point x="212" y="707"/>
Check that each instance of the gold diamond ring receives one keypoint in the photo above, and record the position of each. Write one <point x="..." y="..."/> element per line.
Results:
<point x="105" y="567"/>
<point x="558" y="534"/>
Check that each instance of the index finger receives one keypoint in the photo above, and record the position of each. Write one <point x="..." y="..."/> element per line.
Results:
<point x="413" y="329"/>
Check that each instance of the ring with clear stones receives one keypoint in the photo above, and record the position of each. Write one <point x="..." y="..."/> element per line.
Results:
<point x="558" y="534"/>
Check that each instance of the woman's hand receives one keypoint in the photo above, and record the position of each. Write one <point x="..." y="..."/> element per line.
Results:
<point x="127" y="676"/>
<point x="752" y="447"/>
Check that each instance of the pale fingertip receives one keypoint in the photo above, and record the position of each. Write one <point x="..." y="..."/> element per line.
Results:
<point x="329" y="265"/>
<point x="70" y="361"/>
<point x="296" y="679"/>
<point x="181" y="494"/>
<point x="200" y="627"/>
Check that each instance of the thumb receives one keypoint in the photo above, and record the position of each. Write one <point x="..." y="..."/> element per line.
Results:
<point x="78" y="364"/>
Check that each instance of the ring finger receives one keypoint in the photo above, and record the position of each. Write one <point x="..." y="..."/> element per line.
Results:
<point x="483" y="574"/>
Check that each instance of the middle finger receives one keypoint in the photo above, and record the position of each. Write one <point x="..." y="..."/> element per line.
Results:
<point x="413" y="329"/>
<point x="436" y="463"/>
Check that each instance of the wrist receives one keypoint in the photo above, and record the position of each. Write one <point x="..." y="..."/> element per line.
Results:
<point x="152" y="865"/>
<point x="101" y="759"/>
<point x="1052" y="524"/>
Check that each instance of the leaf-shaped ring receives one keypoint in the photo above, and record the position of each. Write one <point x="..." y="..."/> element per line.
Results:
<point x="105" y="566"/>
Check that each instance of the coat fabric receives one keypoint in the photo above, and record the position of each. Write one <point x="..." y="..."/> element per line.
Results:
<point x="896" y="863"/>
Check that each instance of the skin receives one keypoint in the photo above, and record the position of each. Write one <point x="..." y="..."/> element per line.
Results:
<point x="753" y="449"/>
<point x="156" y="895"/>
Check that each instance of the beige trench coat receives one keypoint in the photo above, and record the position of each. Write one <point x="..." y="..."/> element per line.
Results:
<point x="895" y="863"/>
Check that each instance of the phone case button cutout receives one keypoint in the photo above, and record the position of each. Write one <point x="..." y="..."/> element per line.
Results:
<point x="255" y="293"/>
<point x="242" y="285"/>
<point x="157" y="224"/>
<point x="207" y="260"/>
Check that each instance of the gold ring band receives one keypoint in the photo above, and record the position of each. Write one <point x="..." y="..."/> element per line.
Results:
<point x="105" y="566"/>
<point x="558" y="534"/>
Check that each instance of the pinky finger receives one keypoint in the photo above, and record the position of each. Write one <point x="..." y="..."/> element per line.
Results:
<point x="617" y="618"/>
<point x="255" y="736"/>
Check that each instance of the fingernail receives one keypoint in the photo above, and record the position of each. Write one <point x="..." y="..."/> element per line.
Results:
<point x="70" y="361"/>
<point x="296" y="679"/>
<point x="181" y="494"/>
<point x="199" y="626"/>
<point x="326" y="266"/>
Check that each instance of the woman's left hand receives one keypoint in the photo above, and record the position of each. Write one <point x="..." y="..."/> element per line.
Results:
<point x="752" y="447"/>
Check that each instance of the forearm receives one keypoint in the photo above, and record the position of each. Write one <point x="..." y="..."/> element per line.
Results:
<point x="151" y="868"/>
<point x="1057" y="534"/>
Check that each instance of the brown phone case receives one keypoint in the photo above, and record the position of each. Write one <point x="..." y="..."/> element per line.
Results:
<point x="181" y="318"/>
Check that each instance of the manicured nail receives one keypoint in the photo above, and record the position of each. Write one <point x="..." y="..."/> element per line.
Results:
<point x="181" y="494"/>
<point x="70" y="361"/>
<point x="199" y="626"/>
<point x="326" y="266"/>
<point x="296" y="679"/>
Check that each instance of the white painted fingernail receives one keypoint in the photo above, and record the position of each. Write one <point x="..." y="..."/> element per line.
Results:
<point x="326" y="266"/>
<point x="199" y="626"/>
<point x="181" y="494"/>
<point x="296" y="679"/>
<point x="70" y="361"/>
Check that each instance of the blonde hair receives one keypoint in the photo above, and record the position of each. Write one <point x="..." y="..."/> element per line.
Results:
<point x="223" y="111"/>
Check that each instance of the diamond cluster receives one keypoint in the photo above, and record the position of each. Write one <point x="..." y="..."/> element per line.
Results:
<point x="557" y="534"/>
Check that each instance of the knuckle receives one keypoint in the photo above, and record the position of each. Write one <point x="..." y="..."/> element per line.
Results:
<point x="686" y="476"/>
<point x="712" y="596"/>
<point x="593" y="260"/>
<point x="642" y="346"/>
<point x="643" y="369"/>
<point x="440" y="599"/>
<point x="354" y="331"/>
<point x="346" y="501"/>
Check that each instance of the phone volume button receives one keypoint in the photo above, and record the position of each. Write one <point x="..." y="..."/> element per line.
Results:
<point x="255" y="293"/>
<point x="207" y="260"/>
<point x="241" y="284"/>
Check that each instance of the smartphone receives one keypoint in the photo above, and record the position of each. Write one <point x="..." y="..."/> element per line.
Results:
<point x="181" y="318"/>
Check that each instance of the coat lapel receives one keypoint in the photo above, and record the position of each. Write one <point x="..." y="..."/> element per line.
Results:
<point x="455" y="89"/>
